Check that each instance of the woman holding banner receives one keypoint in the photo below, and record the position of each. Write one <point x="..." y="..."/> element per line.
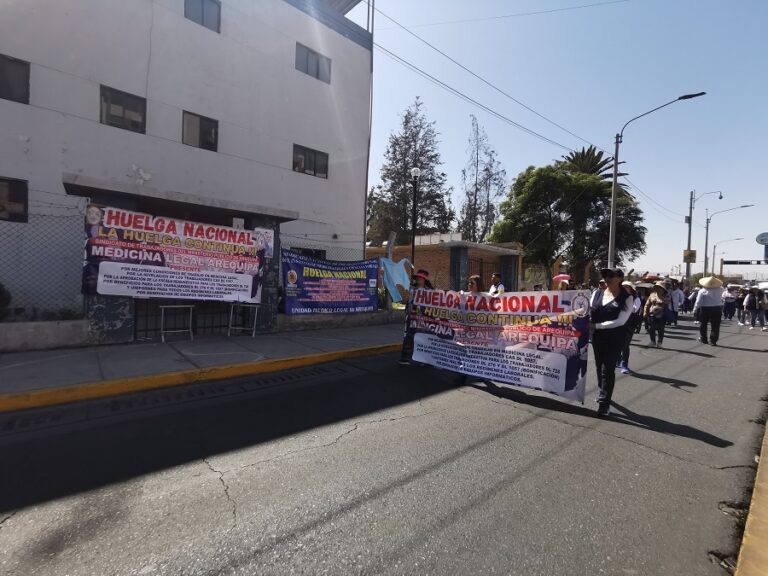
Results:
<point x="420" y="279"/>
<point x="610" y="310"/>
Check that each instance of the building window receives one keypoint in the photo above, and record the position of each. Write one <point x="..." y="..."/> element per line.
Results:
<point x="312" y="63"/>
<point x="200" y="132"/>
<point x="14" y="80"/>
<point x="310" y="161"/>
<point x="205" y="12"/>
<point x="123" y="110"/>
<point x="14" y="204"/>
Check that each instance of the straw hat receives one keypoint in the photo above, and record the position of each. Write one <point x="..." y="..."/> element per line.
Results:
<point x="710" y="282"/>
<point x="661" y="285"/>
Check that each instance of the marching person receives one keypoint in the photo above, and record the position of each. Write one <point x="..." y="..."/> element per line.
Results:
<point x="754" y="304"/>
<point x="709" y="304"/>
<point x="419" y="280"/>
<point x="654" y="312"/>
<point x="741" y="314"/>
<point x="609" y="311"/>
<point x="677" y="298"/>
<point x="634" y="319"/>
<point x="475" y="284"/>
<point x="497" y="288"/>
<point x="729" y="303"/>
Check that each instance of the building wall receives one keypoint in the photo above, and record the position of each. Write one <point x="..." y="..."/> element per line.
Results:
<point x="244" y="77"/>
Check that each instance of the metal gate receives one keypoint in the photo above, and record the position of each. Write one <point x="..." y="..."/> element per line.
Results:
<point x="476" y="266"/>
<point x="209" y="317"/>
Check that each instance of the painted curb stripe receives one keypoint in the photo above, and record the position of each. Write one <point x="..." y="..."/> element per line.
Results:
<point x="105" y="389"/>
<point x="753" y="556"/>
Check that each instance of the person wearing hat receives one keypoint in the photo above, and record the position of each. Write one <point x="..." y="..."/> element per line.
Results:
<point x="497" y="288"/>
<point x="754" y="305"/>
<point x="420" y="279"/>
<point x="654" y="313"/>
<point x="709" y="306"/>
<point x="610" y="308"/>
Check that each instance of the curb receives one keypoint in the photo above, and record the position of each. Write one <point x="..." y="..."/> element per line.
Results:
<point x="105" y="389"/>
<point x="753" y="556"/>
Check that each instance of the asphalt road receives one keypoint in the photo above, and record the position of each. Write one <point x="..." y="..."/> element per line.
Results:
<point x="369" y="468"/>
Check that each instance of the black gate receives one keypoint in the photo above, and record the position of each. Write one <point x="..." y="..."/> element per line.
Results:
<point x="476" y="266"/>
<point x="208" y="318"/>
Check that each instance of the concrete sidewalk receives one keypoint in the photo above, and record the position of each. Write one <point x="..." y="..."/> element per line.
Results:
<point x="44" y="378"/>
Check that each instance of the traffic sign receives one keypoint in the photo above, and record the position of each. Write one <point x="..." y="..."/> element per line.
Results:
<point x="689" y="256"/>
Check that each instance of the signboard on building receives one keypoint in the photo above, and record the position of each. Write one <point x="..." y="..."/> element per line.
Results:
<point x="314" y="286"/>
<point x="532" y="339"/>
<point x="762" y="239"/>
<point x="689" y="256"/>
<point x="134" y="254"/>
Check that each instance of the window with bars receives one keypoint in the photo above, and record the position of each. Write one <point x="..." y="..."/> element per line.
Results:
<point x="313" y="63"/>
<point x="14" y="79"/>
<point x="308" y="161"/>
<point x="200" y="132"/>
<point x="205" y="12"/>
<point x="123" y="110"/>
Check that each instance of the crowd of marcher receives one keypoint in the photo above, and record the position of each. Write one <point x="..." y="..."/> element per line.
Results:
<point x="619" y="309"/>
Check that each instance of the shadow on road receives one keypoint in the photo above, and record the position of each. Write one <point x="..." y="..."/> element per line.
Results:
<point x="63" y="462"/>
<point x="674" y="382"/>
<point x="627" y="416"/>
<point x="665" y="427"/>
<point x="676" y="351"/>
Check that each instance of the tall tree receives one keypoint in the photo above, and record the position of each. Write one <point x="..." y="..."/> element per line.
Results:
<point x="558" y="212"/>
<point x="483" y="181"/>
<point x="414" y="145"/>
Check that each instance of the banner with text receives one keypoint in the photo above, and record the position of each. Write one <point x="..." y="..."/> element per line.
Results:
<point x="531" y="339"/>
<point x="315" y="286"/>
<point x="133" y="254"/>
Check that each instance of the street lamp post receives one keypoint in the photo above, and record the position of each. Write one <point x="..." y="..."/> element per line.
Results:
<point x="689" y="220"/>
<point x="614" y="189"/>
<point x="706" y="234"/>
<point x="415" y="173"/>
<point x="714" y="250"/>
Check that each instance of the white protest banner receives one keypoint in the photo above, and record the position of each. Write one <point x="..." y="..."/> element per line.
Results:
<point x="532" y="339"/>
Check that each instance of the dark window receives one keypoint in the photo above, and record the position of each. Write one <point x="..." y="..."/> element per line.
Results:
<point x="14" y="204"/>
<point x="312" y="63"/>
<point x="123" y="110"/>
<point x="14" y="80"/>
<point x="310" y="161"/>
<point x="311" y="252"/>
<point x="205" y="12"/>
<point x="200" y="131"/>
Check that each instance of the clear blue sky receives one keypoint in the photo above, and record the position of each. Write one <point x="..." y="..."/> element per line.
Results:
<point x="590" y="70"/>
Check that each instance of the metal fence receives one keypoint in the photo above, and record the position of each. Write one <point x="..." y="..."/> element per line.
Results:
<point x="41" y="264"/>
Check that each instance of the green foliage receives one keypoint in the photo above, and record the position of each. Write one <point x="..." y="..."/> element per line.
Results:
<point x="390" y="204"/>
<point x="561" y="210"/>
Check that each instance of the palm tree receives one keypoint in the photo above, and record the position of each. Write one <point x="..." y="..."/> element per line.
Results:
<point x="590" y="161"/>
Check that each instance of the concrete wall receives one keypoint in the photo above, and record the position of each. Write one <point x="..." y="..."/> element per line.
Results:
<point x="244" y="77"/>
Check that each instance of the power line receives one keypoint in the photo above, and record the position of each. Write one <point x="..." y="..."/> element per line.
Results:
<point x="487" y="82"/>
<point x="469" y="99"/>
<point x="519" y="14"/>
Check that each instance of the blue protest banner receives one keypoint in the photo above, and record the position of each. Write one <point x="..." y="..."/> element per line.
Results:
<point x="314" y="286"/>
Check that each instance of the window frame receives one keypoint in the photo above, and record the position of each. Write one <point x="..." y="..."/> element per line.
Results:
<point x="201" y="22"/>
<point x="312" y="63"/>
<point x="21" y="186"/>
<point x="200" y="128"/>
<point x="10" y="60"/>
<point x="310" y="162"/>
<point x="125" y="97"/>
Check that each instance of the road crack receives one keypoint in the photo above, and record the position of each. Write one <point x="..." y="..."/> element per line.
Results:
<point x="8" y="517"/>
<point x="226" y="490"/>
<point x="356" y="426"/>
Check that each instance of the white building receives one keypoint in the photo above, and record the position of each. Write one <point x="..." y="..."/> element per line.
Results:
<point x="247" y="111"/>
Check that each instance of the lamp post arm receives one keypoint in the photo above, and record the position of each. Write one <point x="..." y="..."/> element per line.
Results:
<point x="621" y="134"/>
